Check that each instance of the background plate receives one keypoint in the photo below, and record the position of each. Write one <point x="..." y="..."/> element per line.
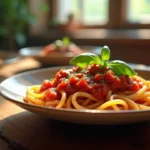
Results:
<point x="55" y="58"/>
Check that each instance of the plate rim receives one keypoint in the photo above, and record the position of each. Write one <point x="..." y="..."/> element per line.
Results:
<point x="41" y="47"/>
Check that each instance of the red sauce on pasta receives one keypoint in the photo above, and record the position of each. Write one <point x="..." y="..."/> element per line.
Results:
<point x="93" y="80"/>
<point x="49" y="49"/>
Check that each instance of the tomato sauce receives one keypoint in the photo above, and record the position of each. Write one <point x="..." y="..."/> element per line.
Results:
<point x="93" y="80"/>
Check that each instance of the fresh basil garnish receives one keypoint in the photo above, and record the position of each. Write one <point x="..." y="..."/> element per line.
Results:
<point x="119" y="67"/>
<point x="66" y="41"/>
<point x="85" y="59"/>
<point x="105" y="55"/>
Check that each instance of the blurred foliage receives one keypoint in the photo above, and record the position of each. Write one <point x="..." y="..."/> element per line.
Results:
<point x="14" y="17"/>
<point x="44" y="7"/>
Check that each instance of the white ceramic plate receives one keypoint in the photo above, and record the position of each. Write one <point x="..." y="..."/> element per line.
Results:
<point x="56" y="58"/>
<point x="14" y="88"/>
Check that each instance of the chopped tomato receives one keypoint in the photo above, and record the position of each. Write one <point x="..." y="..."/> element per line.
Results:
<point x="76" y="69"/>
<point x="141" y="84"/>
<point x="63" y="73"/>
<point x="82" y="85"/>
<point x="134" y="86"/>
<point x="45" y="85"/>
<point x="50" y="94"/>
<point x="79" y="75"/>
<point x="116" y="85"/>
<point x="73" y="80"/>
<point x="100" y="90"/>
<point x="70" y="89"/>
<point x="109" y="77"/>
<point x="124" y="85"/>
<point x="93" y="69"/>
<point x="62" y="86"/>
<point x="98" y="78"/>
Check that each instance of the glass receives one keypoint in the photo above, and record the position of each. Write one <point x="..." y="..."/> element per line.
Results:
<point x="95" y="12"/>
<point x="138" y="11"/>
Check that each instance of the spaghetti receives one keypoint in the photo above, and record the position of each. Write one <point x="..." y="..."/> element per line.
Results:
<point x="92" y="87"/>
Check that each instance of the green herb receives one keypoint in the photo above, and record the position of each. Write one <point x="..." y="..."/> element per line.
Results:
<point x="121" y="68"/>
<point x="51" y="79"/>
<point x="118" y="66"/>
<point x="66" y="41"/>
<point x="85" y="59"/>
<point x="105" y="55"/>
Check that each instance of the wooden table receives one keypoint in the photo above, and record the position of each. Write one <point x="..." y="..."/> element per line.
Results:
<point x="39" y="133"/>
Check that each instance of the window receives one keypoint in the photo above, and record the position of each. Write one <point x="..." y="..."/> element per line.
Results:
<point x="94" y="12"/>
<point x="105" y="13"/>
<point x="87" y="11"/>
<point x="139" y="11"/>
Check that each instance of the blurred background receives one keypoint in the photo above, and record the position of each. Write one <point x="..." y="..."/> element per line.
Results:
<point x="123" y="25"/>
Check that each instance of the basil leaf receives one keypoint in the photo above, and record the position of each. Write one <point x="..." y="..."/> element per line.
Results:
<point x="105" y="53"/>
<point x="118" y="70"/>
<point x="66" y="40"/>
<point x="121" y="68"/>
<point x="85" y="59"/>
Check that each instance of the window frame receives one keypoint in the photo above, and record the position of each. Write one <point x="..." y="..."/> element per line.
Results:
<point x="116" y="20"/>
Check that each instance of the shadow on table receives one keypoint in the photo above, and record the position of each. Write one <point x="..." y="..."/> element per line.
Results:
<point x="38" y="133"/>
<point x="2" y="78"/>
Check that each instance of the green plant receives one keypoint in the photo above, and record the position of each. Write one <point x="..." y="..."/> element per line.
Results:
<point x="14" y="18"/>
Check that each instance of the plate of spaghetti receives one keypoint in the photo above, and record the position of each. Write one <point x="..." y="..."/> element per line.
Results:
<point x="92" y="90"/>
<point x="58" y="52"/>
